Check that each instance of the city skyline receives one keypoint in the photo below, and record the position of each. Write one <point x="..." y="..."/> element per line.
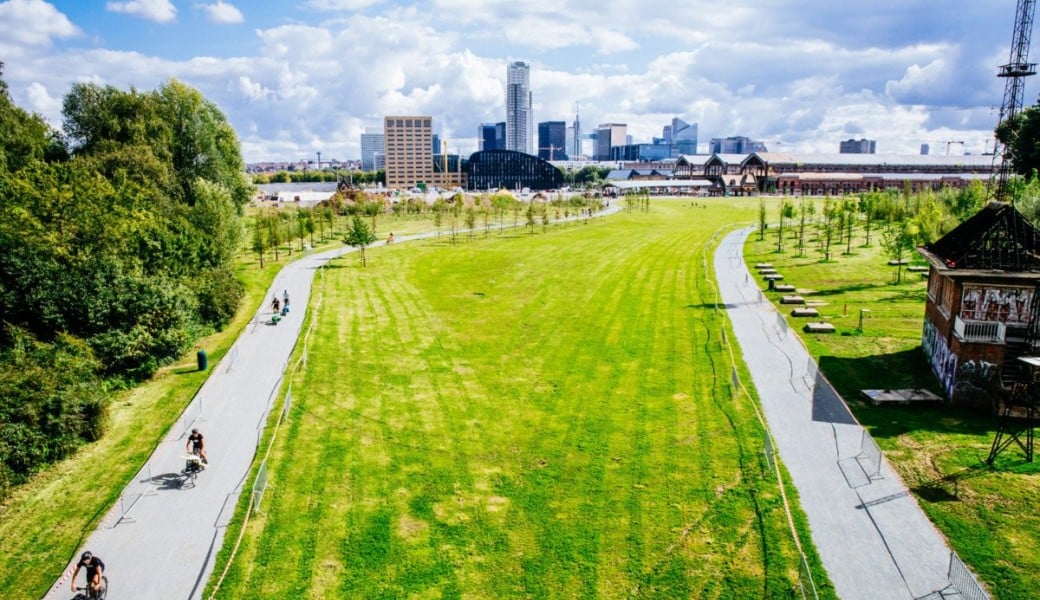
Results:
<point x="312" y="76"/>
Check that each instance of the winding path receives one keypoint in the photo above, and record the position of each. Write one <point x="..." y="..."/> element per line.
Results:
<point x="873" y="538"/>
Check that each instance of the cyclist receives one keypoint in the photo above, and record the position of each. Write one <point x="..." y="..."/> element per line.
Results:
<point x="95" y="568"/>
<point x="197" y="445"/>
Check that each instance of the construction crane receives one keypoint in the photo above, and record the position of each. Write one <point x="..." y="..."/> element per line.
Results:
<point x="951" y="142"/>
<point x="1015" y="71"/>
<point x="551" y="149"/>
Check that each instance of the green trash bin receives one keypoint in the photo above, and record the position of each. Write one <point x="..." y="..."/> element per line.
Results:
<point x="201" y="356"/>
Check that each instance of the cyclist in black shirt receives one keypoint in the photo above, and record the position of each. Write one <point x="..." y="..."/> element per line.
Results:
<point x="196" y="445"/>
<point x="95" y="569"/>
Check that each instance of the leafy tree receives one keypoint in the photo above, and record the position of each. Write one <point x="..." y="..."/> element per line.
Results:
<point x="471" y="221"/>
<point x="803" y="212"/>
<point x="1021" y="135"/>
<point x="259" y="240"/>
<point x="786" y="212"/>
<point x="359" y="236"/>
<point x="897" y="241"/>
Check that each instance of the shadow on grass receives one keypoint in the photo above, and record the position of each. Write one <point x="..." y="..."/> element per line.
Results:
<point x="908" y="369"/>
<point x="857" y="287"/>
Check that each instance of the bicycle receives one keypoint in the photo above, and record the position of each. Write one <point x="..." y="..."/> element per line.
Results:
<point x="192" y="467"/>
<point x="88" y="594"/>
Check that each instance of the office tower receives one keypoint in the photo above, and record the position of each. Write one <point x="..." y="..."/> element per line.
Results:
<point x="437" y="147"/>
<point x="491" y="136"/>
<point x="409" y="150"/>
<point x="925" y="148"/>
<point x="552" y="140"/>
<point x="682" y="135"/>
<point x="851" y="146"/>
<point x="575" y="150"/>
<point x="486" y="137"/>
<point x="608" y="135"/>
<point x="372" y="143"/>
<point x="519" y="121"/>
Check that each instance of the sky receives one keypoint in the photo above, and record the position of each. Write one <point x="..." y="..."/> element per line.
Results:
<point x="297" y="77"/>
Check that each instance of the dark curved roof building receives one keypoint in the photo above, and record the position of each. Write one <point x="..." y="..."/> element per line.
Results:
<point x="495" y="169"/>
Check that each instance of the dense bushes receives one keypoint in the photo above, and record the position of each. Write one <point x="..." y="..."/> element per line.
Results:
<point x="117" y="251"/>
<point x="51" y="401"/>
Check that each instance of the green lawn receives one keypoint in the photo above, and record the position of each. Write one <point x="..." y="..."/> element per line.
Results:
<point x="544" y="415"/>
<point x="988" y="515"/>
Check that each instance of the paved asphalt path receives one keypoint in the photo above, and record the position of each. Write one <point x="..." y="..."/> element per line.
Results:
<point x="160" y="540"/>
<point x="873" y="538"/>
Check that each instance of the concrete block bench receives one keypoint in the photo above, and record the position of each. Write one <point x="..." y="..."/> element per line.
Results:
<point x="792" y="300"/>
<point x="767" y="271"/>
<point x="784" y="287"/>
<point x="805" y="312"/>
<point x="773" y="277"/>
<point x="894" y="263"/>
<point x="818" y="328"/>
<point x="917" y="269"/>
<point x="763" y="265"/>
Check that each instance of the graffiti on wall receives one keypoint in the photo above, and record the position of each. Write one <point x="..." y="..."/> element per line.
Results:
<point x="944" y="362"/>
<point x="996" y="303"/>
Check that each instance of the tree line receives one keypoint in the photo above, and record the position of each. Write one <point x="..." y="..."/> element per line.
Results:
<point x="118" y="239"/>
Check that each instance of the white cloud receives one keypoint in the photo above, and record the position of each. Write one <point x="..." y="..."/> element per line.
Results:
<point x="160" y="11"/>
<point x="341" y="5"/>
<point x="902" y="74"/>
<point x="40" y="101"/>
<point x="31" y="23"/>
<point x="221" y="12"/>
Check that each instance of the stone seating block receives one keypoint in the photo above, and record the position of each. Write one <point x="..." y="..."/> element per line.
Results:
<point x="773" y="277"/>
<point x="805" y="312"/>
<point x="792" y="300"/>
<point x="819" y="328"/>
<point x="784" y="287"/>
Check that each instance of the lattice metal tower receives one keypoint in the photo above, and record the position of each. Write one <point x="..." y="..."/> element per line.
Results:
<point x="1015" y="71"/>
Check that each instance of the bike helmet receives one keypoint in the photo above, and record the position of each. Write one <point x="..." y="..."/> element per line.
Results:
<point x="86" y="556"/>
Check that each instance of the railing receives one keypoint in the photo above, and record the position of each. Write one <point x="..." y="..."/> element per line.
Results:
<point x="979" y="331"/>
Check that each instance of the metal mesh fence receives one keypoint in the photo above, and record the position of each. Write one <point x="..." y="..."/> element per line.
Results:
<point x="805" y="585"/>
<point x="287" y="404"/>
<point x="259" y="486"/>
<point x="767" y="448"/>
<point x="964" y="581"/>
<point x="870" y="453"/>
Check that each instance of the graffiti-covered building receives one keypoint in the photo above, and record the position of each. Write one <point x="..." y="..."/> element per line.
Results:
<point x="982" y="298"/>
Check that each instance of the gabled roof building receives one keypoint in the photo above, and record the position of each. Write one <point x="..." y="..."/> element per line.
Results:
<point x="982" y="295"/>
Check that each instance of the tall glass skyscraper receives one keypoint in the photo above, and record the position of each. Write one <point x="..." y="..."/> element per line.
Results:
<point x="519" y="120"/>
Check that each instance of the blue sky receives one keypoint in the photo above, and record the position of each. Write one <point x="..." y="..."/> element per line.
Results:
<point x="299" y="76"/>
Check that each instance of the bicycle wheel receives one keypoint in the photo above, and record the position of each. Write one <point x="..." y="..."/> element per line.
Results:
<point x="103" y="592"/>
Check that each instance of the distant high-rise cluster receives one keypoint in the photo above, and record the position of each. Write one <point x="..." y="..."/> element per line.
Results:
<point x="851" y="146"/>
<point x="519" y="120"/>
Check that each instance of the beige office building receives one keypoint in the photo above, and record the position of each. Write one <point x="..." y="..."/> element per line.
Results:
<point x="409" y="151"/>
